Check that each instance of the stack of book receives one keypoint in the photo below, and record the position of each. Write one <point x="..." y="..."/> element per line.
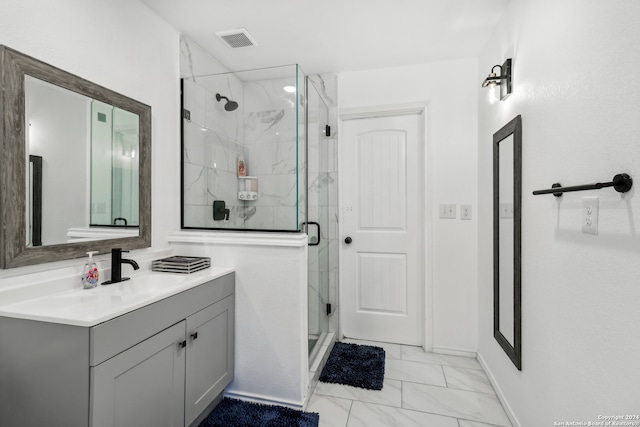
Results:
<point x="181" y="264"/>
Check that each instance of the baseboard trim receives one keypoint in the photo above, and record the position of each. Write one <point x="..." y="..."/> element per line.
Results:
<point x="498" y="390"/>
<point x="454" y="351"/>
<point x="265" y="400"/>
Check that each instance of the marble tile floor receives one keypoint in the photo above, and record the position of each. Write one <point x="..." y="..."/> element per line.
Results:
<point x="420" y="389"/>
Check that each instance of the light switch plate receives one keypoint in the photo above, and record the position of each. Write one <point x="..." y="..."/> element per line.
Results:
<point x="590" y="215"/>
<point x="448" y="211"/>
<point x="506" y="210"/>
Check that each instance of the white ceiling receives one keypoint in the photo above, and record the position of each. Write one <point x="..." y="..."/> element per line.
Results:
<point x="336" y="35"/>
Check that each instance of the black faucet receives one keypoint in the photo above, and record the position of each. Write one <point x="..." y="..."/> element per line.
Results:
<point x="116" y="266"/>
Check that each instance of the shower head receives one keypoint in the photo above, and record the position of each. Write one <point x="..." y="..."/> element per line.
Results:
<point x="230" y="105"/>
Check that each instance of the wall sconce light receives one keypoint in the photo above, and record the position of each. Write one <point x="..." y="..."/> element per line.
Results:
<point x="500" y="82"/>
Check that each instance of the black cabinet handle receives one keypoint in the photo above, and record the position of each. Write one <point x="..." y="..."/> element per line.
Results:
<point x="194" y="336"/>
<point x="182" y="344"/>
<point x="348" y="240"/>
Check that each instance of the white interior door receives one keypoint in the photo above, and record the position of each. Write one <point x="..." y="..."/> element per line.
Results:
<point x="382" y="267"/>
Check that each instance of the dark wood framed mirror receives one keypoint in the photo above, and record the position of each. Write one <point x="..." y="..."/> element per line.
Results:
<point x="507" y="221"/>
<point x="69" y="183"/>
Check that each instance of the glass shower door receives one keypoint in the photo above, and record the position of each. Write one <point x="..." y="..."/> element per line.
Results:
<point x="318" y="218"/>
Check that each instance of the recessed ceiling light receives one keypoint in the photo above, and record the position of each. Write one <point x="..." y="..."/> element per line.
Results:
<point x="290" y="89"/>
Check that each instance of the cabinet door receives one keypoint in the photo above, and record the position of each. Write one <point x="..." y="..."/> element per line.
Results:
<point x="209" y="355"/>
<point x="142" y="386"/>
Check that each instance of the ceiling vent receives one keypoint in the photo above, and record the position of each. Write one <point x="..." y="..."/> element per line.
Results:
<point x="236" y="39"/>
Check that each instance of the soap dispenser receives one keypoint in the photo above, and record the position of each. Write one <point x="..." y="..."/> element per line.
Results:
<point x="90" y="273"/>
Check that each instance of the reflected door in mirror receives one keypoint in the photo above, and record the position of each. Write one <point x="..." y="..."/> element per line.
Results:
<point x="34" y="207"/>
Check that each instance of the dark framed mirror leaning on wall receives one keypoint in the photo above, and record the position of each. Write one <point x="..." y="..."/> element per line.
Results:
<point x="93" y="147"/>
<point x="507" y="222"/>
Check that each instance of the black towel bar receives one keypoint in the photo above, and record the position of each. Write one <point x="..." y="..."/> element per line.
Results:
<point x="621" y="183"/>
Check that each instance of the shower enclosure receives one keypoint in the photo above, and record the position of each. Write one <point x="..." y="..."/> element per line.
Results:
<point x="252" y="160"/>
<point x="265" y="132"/>
<point x="114" y="166"/>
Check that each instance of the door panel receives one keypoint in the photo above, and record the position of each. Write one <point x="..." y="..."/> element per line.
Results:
<point x="375" y="272"/>
<point x="210" y="350"/>
<point x="381" y="160"/>
<point x="142" y="386"/>
<point x="382" y="189"/>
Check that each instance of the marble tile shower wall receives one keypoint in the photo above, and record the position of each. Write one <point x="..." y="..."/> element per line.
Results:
<point x="213" y="140"/>
<point x="272" y="154"/>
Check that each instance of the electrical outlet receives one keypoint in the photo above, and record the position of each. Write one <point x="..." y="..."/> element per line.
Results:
<point x="506" y="210"/>
<point x="465" y="211"/>
<point x="590" y="215"/>
<point x="448" y="211"/>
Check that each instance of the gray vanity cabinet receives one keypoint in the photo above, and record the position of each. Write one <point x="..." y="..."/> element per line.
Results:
<point x="170" y="378"/>
<point x="164" y="364"/>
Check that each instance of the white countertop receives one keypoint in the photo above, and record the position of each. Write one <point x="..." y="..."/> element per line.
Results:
<point x="90" y="307"/>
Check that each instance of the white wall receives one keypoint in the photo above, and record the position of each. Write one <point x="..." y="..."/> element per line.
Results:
<point x="125" y="47"/>
<point x="576" y="86"/>
<point x="271" y="359"/>
<point x="451" y="89"/>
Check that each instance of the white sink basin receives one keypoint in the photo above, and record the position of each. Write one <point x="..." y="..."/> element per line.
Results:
<point x="88" y="307"/>
<point x="146" y="283"/>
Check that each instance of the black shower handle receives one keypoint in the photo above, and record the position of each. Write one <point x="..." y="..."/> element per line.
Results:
<point x="220" y="211"/>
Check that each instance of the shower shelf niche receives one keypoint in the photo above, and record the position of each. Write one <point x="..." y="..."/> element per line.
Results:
<point x="248" y="188"/>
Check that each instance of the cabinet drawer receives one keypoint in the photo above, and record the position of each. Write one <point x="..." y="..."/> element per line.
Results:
<point x="117" y="335"/>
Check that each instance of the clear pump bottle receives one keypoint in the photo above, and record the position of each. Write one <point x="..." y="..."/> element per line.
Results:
<point x="90" y="273"/>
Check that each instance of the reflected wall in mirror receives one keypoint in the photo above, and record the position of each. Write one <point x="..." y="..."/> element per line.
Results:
<point x="93" y="147"/>
<point x="507" y="214"/>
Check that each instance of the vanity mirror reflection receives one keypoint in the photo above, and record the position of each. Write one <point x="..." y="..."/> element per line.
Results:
<point x="507" y="214"/>
<point x="75" y="165"/>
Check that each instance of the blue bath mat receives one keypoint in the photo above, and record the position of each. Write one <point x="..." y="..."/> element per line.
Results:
<point x="237" y="413"/>
<point x="355" y="365"/>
